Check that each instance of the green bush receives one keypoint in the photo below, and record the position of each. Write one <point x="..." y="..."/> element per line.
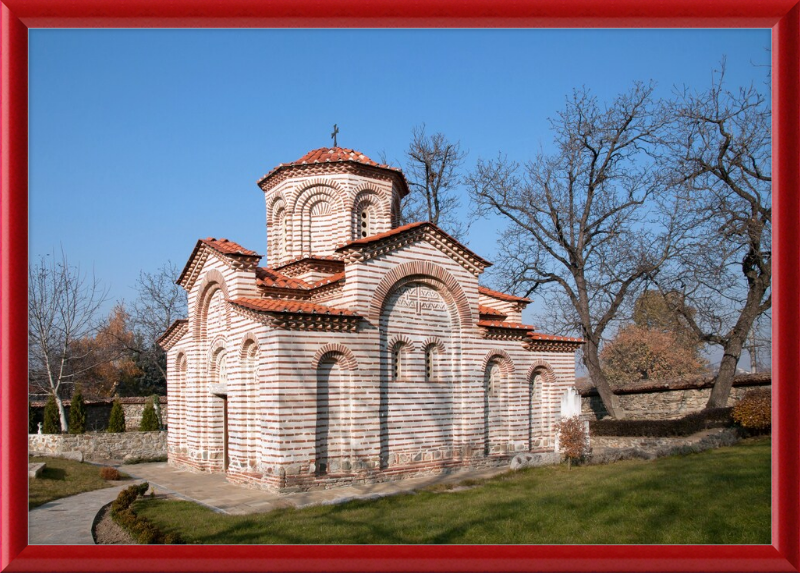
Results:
<point x="157" y="407"/>
<point x="145" y="531"/>
<point x="77" y="413"/>
<point x="52" y="422"/>
<point x="116" y="421"/>
<point x="754" y="410"/>
<point x="149" y="421"/>
<point x="686" y="426"/>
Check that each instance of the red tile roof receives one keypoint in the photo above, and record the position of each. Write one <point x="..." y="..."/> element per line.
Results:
<point x="289" y="306"/>
<point x="222" y="246"/>
<point x="328" y="154"/>
<point x="334" y="278"/>
<point x="553" y="338"/>
<point x="385" y="235"/>
<point x="501" y="295"/>
<point x="271" y="278"/>
<point x="227" y="247"/>
<point x="483" y="309"/>
<point x="311" y="259"/>
<point x="503" y="324"/>
<point x="335" y="155"/>
<point x="403" y="229"/>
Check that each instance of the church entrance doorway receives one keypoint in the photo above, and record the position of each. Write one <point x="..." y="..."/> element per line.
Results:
<point x="332" y="436"/>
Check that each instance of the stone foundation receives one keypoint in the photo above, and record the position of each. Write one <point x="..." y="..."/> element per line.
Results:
<point x="100" y="446"/>
<point x="301" y="477"/>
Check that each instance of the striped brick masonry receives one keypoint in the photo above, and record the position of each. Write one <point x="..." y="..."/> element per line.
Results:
<point x="363" y="352"/>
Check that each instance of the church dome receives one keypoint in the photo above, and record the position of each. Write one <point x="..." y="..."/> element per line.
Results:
<point x="334" y="156"/>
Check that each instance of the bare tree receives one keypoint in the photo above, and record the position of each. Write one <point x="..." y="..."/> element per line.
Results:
<point x="719" y="147"/>
<point x="62" y="309"/>
<point x="432" y="170"/>
<point x="582" y="221"/>
<point x="159" y="303"/>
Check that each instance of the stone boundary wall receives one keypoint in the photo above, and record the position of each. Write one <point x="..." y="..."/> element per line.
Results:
<point x="98" y="411"/>
<point x="667" y="400"/>
<point x="100" y="446"/>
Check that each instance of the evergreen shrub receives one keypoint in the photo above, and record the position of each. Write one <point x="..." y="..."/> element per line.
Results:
<point x="116" y="420"/>
<point x="149" y="422"/>
<point x="144" y="530"/>
<point x="77" y="413"/>
<point x="52" y="423"/>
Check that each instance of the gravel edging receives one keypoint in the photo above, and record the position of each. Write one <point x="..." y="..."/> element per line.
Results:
<point x="106" y="532"/>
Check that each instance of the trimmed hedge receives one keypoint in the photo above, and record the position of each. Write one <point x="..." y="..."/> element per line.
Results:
<point x="144" y="530"/>
<point x="686" y="426"/>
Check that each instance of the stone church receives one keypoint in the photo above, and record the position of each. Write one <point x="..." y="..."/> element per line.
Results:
<point x="362" y="351"/>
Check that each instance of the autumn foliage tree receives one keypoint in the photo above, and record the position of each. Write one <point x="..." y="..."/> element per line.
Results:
<point x="640" y="353"/>
<point x="659" y="345"/>
<point x="109" y="361"/>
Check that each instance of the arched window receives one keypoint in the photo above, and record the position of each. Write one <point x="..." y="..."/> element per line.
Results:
<point x="364" y="223"/>
<point x="281" y="218"/>
<point x="397" y="360"/>
<point x="220" y="365"/>
<point x="431" y="353"/>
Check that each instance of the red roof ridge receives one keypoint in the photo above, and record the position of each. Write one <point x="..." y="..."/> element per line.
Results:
<point x="280" y="280"/>
<point x="332" y="155"/>
<point x="403" y="229"/>
<point x="483" y="309"/>
<point x="384" y="235"/>
<point x="301" y="258"/>
<point x="289" y="306"/>
<point x="505" y="324"/>
<point x="334" y="278"/>
<point x="501" y="295"/>
<point x="228" y="247"/>
<point x="554" y="337"/>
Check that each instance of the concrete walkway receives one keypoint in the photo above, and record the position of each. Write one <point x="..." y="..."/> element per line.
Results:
<point x="68" y="521"/>
<point x="213" y="491"/>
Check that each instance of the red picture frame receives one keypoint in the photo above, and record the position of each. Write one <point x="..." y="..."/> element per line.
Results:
<point x="782" y="16"/>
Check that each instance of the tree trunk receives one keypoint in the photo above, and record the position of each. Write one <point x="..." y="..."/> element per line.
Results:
<point x="62" y="413"/>
<point x="732" y="350"/>
<point x="727" y="370"/>
<point x="610" y="400"/>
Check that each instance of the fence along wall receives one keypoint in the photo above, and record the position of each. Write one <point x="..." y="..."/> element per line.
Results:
<point x="98" y="411"/>
<point x="666" y="400"/>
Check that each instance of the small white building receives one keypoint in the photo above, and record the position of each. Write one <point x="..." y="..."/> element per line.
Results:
<point x="363" y="351"/>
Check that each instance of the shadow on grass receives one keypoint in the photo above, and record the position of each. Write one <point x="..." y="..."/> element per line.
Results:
<point x="721" y="496"/>
<point x="59" y="474"/>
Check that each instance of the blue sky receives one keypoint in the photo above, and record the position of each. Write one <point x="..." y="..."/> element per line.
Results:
<point x="143" y="141"/>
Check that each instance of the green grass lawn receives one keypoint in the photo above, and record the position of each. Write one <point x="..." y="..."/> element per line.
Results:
<point x="62" y="478"/>
<point x="718" y="496"/>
